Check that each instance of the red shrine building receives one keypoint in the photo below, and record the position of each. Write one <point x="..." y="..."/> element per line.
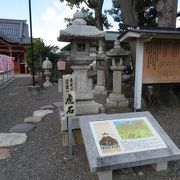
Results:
<point x="14" y="37"/>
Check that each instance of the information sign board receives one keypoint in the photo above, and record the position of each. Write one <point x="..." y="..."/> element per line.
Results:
<point x="161" y="61"/>
<point x="69" y="95"/>
<point x="121" y="136"/>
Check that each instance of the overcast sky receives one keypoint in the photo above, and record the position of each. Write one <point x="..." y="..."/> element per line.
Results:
<point x="47" y="16"/>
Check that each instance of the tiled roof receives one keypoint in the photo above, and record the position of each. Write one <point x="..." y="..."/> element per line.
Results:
<point x="15" y="30"/>
<point x="112" y="35"/>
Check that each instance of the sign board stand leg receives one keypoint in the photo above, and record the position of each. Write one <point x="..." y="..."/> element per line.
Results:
<point x="105" y="175"/>
<point x="69" y="125"/>
<point x="160" y="166"/>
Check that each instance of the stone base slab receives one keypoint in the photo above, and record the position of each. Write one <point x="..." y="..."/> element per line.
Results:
<point x="88" y="107"/>
<point x="120" y="104"/>
<point x="34" y="90"/>
<point x="99" y="90"/>
<point x="117" y="97"/>
<point x="47" y="83"/>
<point x="74" y="123"/>
<point x="76" y="137"/>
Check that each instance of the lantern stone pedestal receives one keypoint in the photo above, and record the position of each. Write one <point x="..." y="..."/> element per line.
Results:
<point x="116" y="98"/>
<point x="100" y="67"/>
<point x="34" y="90"/>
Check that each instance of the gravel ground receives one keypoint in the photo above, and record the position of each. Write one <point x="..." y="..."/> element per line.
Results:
<point x="43" y="157"/>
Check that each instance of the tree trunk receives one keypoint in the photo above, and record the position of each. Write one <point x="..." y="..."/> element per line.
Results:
<point x="98" y="14"/>
<point x="128" y="13"/>
<point x="167" y="10"/>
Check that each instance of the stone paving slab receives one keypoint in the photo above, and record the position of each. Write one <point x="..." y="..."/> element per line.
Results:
<point x="22" y="128"/>
<point x="47" y="107"/>
<point x="33" y="119"/>
<point x="4" y="153"/>
<point x="12" y="139"/>
<point x="42" y="113"/>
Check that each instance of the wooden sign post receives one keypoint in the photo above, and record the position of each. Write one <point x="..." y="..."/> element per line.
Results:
<point x="69" y="105"/>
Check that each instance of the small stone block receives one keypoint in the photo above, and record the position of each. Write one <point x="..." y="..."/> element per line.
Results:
<point x="106" y="175"/>
<point x="42" y="113"/>
<point x="32" y="119"/>
<point x="22" y="128"/>
<point x="4" y="153"/>
<point x="161" y="166"/>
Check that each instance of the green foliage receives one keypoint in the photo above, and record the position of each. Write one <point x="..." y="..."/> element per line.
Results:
<point x="90" y="15"/>
<point x="146" y="12"/>
<point x="40" y="52"/>
<point x="38" y="48"/>
<point x="115" y="11"/>
<point x="72" y="3"/>
<point x="91" y="19"/>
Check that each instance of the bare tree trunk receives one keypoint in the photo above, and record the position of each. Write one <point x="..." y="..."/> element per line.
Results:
<point x="167" y="11"/>
<point x="98" y="14"/>
<point x="97" y="6"/>
<point x="128" y="13"/>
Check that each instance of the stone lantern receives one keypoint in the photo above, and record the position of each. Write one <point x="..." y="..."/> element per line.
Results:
<point x="47" y="67"/>
<point x="100" y="67"/>
<point x="117" y="54"/>
<point x="81" y="36"/>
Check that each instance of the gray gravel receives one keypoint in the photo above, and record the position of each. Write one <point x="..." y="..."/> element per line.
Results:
<point x="43" y="157"/>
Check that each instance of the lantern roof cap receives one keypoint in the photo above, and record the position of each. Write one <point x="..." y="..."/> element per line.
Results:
<point x="80" y="30"/>
<point x="47" y="64"/>
<point x="117" y="51"/>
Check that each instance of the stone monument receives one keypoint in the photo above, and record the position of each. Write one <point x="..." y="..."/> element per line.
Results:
<point x="81" y="36"/>
<point x="47" y="66"/>
<point x="117" y="54"/>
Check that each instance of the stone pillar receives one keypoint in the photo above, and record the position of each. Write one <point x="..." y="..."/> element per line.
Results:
<point x="100" y="67"/>
<point x="116" y="98"/>
<point x="84" y="97"/>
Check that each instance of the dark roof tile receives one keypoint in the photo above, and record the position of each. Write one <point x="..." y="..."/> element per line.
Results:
<point x="15" y="30"/>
